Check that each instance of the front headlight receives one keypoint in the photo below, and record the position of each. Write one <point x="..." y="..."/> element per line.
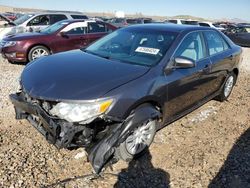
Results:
<point x="9" y="43"/>
<point x="87" y="111"/>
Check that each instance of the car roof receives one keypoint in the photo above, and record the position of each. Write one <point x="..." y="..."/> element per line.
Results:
<point x="66" y="13"/>
<point x="168" y="27"/>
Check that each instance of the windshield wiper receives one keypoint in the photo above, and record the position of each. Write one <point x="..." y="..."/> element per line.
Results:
<point x="93" y="53"/>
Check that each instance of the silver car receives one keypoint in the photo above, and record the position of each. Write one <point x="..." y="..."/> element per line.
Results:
<point x="37" y="21"/>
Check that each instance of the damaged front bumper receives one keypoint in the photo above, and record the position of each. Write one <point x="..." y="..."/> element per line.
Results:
<point x="58" y="132"/>
<point x="99" y="143"/>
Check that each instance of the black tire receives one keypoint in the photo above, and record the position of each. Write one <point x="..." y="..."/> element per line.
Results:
<point x="225" y="95"/>
<point x="122" y="151"/>
<point x="34" y="49"/>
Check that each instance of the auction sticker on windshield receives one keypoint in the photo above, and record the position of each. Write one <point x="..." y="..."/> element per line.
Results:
<point x="147" y="50"/>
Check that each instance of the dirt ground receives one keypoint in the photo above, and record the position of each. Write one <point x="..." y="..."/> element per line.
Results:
<point x="209" y="147"/>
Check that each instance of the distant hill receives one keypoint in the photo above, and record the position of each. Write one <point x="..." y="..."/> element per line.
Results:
<point x="187" y="17"/>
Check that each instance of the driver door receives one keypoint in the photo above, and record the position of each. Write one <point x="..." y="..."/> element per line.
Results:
<point x="188" y="86"/>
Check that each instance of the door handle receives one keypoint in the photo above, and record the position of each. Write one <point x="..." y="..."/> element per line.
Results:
<point x="206" y="69"/>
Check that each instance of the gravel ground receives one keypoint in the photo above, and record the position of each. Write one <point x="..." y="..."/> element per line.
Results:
<point x="209" y="147"/>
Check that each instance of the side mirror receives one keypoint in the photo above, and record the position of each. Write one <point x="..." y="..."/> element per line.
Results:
<point x="183" y="63"/>
<point x="64" y="34"/>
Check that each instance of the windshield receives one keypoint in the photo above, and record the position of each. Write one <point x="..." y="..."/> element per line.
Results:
<point x="55" y="27"/>
<point x="23" y="18"/>
<point x="141" y="47"/>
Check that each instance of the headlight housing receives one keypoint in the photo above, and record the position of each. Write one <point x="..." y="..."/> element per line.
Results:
<point x="81" y="112"/>
<point x="9" y="43"/>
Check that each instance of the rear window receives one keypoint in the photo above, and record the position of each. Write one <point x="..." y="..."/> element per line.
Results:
<point x="56" y="18"/>
<point x="172" y="21"/>
<point x="79" y="16"/>
<point x="186" y="22"/>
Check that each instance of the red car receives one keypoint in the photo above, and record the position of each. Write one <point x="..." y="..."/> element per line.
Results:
<point x="61" y="36"/>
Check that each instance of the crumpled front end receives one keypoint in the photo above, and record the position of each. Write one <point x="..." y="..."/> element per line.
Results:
<point x="100" y="137"/>
<point x="61" y="133"/>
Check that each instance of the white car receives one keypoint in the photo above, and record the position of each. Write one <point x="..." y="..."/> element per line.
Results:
<point x="210" y="24"/>
<point x="37" y="21"/>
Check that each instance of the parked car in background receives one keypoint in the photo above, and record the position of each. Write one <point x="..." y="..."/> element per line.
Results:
<point x="4" y="21"/>
<point x="61" y="36"/>
<point x="210" y="24"/>
<point x="244" y="24"/>
<point x="182" y="22"/>
<point x="118" y="22"/>
<point x="37" y="21"/>
<point x="10" y="15"/>
<point x="239" y="35"/>
<point x="133" y="21"/>
<point x="112" y="97"/>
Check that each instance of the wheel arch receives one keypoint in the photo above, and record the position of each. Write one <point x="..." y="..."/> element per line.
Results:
<point x="236" y="72"/>
<point x="155" y="102"/>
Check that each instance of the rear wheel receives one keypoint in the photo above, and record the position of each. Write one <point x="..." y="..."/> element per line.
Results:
<point x="37" y="51"/>
<point x="227" y="88"/>
<point x="137" y="142"/>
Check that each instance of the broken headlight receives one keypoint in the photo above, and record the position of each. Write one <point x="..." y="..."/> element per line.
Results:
<point x="80" y="112"/>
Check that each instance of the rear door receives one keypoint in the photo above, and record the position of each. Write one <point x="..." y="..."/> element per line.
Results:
<point x="220" y="57"/>
<point x="73" y="36"/>
<point x="188" y="86"/>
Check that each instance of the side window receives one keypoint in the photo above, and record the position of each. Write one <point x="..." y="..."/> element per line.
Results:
<point x="216" y="43"/>
<point x="76" y="31"/>
<point x="192" y="47"/>
<point x="94" y="27"/>
<point x="79" y="17"/>
<point x="56" y="18"/>
<point x="40" y="20"/>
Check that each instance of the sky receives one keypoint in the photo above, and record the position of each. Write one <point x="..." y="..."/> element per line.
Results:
<point x="211" y="9"/>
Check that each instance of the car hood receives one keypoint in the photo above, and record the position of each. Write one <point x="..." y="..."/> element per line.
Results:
<point x="76" y="75"/>
<point x="23" y="36"/>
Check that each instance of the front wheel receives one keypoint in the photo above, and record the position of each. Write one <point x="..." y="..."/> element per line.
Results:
<point x="227" y="88"/>
<point x="138" y="141"/>
<point x="37" y="52"/>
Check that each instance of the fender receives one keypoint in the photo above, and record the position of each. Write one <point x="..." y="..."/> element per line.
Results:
<point x="102" y="152"/>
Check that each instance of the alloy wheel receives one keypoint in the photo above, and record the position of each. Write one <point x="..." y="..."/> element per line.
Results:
<point x="141" y="138"/>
